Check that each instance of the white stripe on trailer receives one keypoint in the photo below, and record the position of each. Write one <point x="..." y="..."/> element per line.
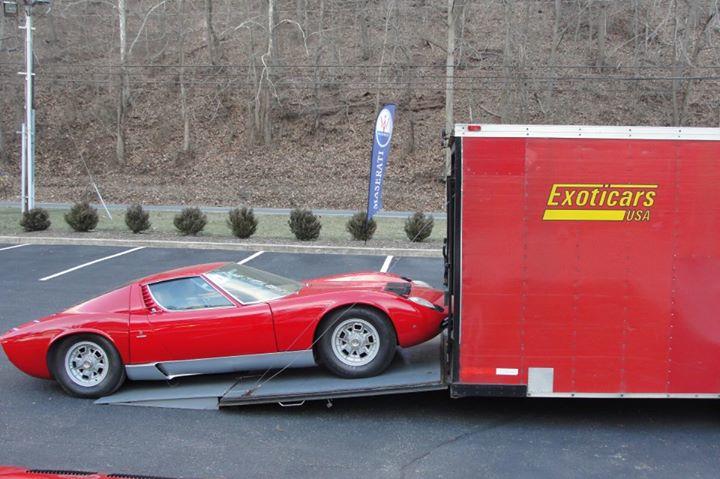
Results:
<point x="482" y="130"/>
<point x="13" y="247"/>
<point x="507" y="371"/>
<point x="250" y="258"/>
<point x="386" y="265"/>
<point x="80" y="266"/>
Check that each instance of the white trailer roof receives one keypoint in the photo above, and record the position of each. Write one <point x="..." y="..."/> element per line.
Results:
<point x="586" y="131"/>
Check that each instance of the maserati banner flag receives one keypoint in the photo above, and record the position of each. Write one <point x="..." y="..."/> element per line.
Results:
<point x="379" y="159"/>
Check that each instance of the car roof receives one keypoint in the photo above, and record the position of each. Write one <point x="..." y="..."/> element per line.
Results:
<point x="185" y="271"/>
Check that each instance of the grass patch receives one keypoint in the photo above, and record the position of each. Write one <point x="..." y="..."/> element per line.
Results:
<point x="269" y="226"/>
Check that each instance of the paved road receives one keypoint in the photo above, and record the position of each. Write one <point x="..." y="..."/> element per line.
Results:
<point x="426" y="435"/>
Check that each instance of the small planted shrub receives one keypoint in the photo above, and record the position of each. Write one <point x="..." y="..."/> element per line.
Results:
<point x="82" y="217"/>
<point x="190" y="221"/>
<point x="418" y="226"/>
<point x="6" y="185"/>
<point x="137" y="219"/>
<point x="37" y="219"/>
<point x="360" y="228"/>
<point x="304" y="224"/>
<point x="242" y="222"/>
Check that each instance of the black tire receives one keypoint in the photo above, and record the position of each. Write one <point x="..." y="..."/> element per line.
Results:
<point x="114" y="375"/>
<point x="328" y="332"/>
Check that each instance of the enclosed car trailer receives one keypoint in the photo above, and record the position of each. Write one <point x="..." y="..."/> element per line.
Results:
<point x="584" y="261"/>
<point x="580" y="261"/>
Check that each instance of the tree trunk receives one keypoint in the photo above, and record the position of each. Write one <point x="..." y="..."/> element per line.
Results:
<point x="449" y="80"/>
<point x="601" y="59"/>
<point x="549" y="107"/>
<point x="507" y="64"/>
<point x="318" y="59"/>
<point x="183" y="87"/>
<point x="213" y="43"/>
<point x="390" y="8"/>
<point x="363" y="19"/>
<point x="123" y="88"/>
<point x="262" y="118"/>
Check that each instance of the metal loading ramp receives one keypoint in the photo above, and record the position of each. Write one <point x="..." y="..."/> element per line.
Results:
<point x="414" y="369"/>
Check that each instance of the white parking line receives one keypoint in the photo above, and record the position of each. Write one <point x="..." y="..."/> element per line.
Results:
<point x="251" y="257"/>
<point x="386" y="264"/>
<point x="75" y="268"/>
<point x="13" y="247"/>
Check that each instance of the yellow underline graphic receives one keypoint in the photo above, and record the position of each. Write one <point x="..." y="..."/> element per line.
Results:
<point x="633" y="186"/>
<point x="584" y="215"/>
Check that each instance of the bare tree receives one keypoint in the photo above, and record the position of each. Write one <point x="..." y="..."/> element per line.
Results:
<point x="602" y="18"/>
<point x="318" y="59"/>
<point x="362" y="17"/>
<point x="183" y="87"/>
<point x="213" y="43"/>
<point x="262" y="120"/>
<point x="123" y="87"/>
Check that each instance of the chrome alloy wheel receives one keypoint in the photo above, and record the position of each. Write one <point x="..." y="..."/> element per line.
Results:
<point x="86" y="364"/>
<point x="355" y="342"/>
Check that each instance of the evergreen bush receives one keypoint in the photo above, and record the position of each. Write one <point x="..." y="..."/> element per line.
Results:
<point x="82" y="217"/>
<point x="37" y="219"/>
<point x="137" y="219"/>
<point x="304" y="224"/>
<point x="190" y="221"/>
<point x="360" y="228"/>
<point x="242" y="222"/>
<point x="418" y="226"/>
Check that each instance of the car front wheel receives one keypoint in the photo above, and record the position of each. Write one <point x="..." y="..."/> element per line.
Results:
<point x="87" y="366"/>
<point x="356" y="342"/>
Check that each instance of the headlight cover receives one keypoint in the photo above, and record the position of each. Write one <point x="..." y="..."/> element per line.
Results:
<point x="421" y="302"/>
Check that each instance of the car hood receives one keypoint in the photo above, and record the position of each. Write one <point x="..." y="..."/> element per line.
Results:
<point x="372" y="280"/>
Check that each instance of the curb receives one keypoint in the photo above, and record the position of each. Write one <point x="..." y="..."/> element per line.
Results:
<point x="219" y="245"/>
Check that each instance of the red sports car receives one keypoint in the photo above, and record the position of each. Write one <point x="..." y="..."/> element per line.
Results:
<point x="225" y="317"/>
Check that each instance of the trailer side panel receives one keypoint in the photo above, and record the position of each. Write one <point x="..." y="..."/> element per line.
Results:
<point x="590" y="266"/>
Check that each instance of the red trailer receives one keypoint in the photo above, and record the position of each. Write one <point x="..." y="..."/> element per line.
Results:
<point x="584" y="261"/>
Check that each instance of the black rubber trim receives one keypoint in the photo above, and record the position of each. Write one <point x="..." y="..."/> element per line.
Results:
<point x="488" y="390"/>
<point x="452" y="257"/>
<point x="401" y="289"/>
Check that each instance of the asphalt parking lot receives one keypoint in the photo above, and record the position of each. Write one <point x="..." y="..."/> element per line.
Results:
<point x="421" y="435"/>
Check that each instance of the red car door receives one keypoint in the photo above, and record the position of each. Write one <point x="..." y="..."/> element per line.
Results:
<point x="196" y="321"/>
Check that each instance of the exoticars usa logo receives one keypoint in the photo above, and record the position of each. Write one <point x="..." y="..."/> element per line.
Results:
<point x="600" y="202"/>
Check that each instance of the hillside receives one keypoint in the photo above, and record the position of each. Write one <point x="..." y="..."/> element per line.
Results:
<point x="222" y="109"/>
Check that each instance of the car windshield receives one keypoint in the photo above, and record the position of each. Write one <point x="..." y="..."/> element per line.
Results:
<point x="250" y="285"/>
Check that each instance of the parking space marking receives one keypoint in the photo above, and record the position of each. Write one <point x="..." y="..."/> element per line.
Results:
<point x="13" y="247"/>
<point x="251" y="257"/>
<point x="386" y="264"/>
<point x="75" y="268"/>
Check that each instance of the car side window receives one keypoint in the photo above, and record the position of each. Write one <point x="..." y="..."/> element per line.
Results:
<point x="187" y="294"/>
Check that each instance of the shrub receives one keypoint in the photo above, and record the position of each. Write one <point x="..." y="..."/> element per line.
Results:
<point x="190" y="221"/>
<point x="82" y="217"/>
<point x="360" y="228"/>
<point x="6" y="185"/>
<point x="418" y="226"/>
<point x="137" y="219"/>
<point x="37" y="219"/>
<point x="304" y="224"/>
<point x="242" y="222"/>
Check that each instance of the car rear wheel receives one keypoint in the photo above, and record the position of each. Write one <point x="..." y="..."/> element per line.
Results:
<point x="356" y="342"/>
<point x="87" y="366"/>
